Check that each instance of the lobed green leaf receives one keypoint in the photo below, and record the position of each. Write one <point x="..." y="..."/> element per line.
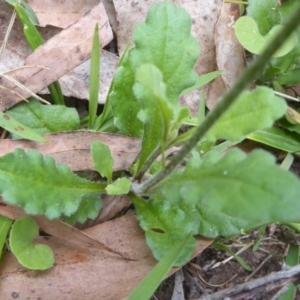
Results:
<point x="123" y="102"/>
<point x="252" y="111"/>
<point x="41" y="186"/>
<point x="156" y="113"/>
<point x="165" y="41"/>
<point x="218" y="198"/>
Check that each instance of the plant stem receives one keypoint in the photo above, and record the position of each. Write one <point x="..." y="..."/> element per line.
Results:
<point x="229" y="98"/>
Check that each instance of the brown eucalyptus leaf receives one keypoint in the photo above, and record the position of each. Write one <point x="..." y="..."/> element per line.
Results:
<point x="86" y="273"/>
<point x="60" y="54"/>
<point x="61" y="14"/>
<point x="73" y="148"/>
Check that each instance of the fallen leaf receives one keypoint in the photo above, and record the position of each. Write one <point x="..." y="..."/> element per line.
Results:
<point x="60" y="54"/>
<point x="73" y="148"/>
<point x="75" y="83"/>
<point x="230" y="55"/>
<point x="63" y="13"/>
<point x="87" y="273"/>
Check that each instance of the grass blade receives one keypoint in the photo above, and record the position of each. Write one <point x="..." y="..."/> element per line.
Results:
<point x="94" y="78"/>
<point x="150" y="283"/>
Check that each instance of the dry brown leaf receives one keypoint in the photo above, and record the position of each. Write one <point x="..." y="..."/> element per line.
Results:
<point x="86" y="273"/>
<point x="76" y="82"/>
<point x="230" y="55"/>
<point x="73" y="148"/>
<point x="60" y="54"/>
<point x="60" y="13"/>
<point x="56" y="228"/>
<point x="65" y="13"/>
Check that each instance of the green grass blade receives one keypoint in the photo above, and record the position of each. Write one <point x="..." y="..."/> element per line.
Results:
<point x="5" y="224"/>
<point x="150" y="283"/>
<point x="34" y="40"/>
<point x="94" y="78"/>
<point x="33" y="37"/>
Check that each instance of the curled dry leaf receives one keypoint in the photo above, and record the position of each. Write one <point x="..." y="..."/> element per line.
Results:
<point x="87" y="273"/>
<point x="73" y="148"/>
<point x="60" y="54"/>
<point x="230" y="55"/>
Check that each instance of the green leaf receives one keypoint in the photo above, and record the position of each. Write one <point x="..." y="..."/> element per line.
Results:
<point x="41" y="186"/>
<point x="252" y="111"/>
<point x="237" y="186"/>
<point x="94" y="78"/>
<point x="34" y="257"/>
<point x="33" y="37"/>
<point x="124" y="104"/>
<point x="156" y="113"/>
<point x="150" y="283"/>
<point x="89" y="207"/>
<point x="45" y="118"/>
<point x="28" y="10"/>
<point x="120" y="187"/>
<point x="165" y="41"/>
<point x="290" y="77"/>
<point x="277" y="138"/>
<point x="103" y="161"/>
<point x="247" y="33"/>
<point x="164" y="225"/>
<point x="5" y="224"/>
<point x="265" y="13"/>
<point x="15" y="127"/>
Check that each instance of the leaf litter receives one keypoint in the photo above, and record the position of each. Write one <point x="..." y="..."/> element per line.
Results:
<point x="212" y="26"/>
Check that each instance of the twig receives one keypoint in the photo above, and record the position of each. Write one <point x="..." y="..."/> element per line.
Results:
<point x="230" y="97"/>
<point x="258" y="268"/>
<point x="258" y="286"/>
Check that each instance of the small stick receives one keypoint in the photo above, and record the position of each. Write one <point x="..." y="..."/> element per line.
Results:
<point x="258" y="286"/>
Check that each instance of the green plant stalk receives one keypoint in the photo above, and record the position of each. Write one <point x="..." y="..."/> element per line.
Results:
<point x="229" y="98"/>
<point x="94" y="78"/>
<point x="35" y="40"/>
